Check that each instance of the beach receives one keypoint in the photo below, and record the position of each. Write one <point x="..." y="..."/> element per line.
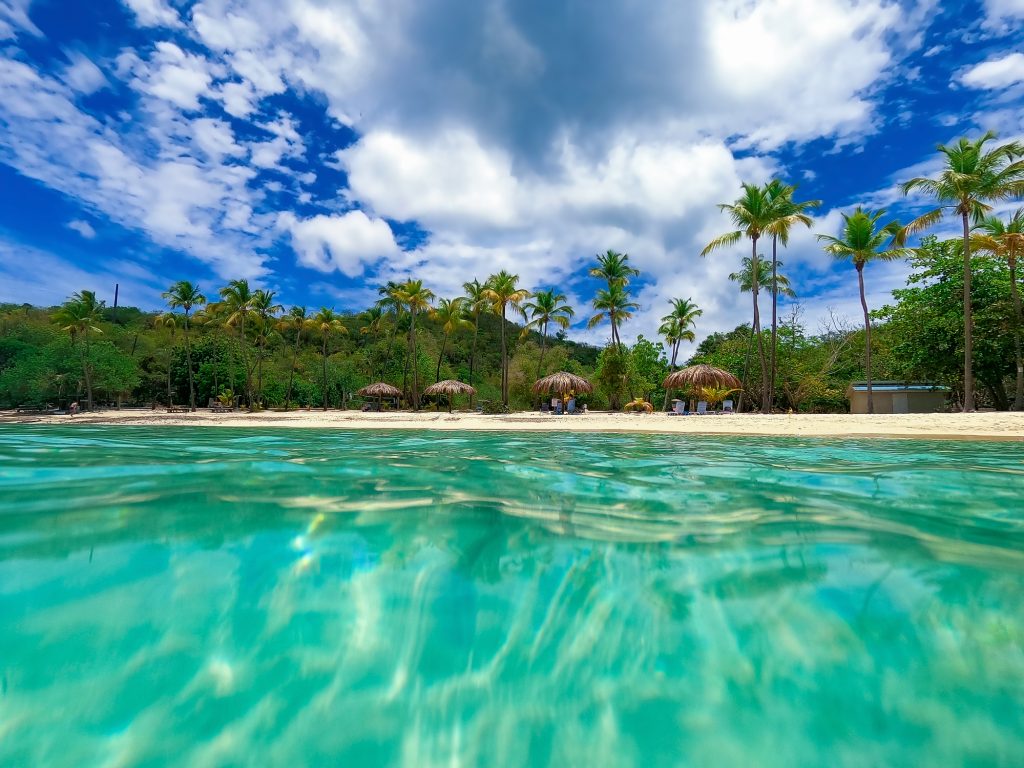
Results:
<point x="970" y="426"/>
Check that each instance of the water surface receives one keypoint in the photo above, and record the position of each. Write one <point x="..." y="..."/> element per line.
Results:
<point x="220" y="597"/>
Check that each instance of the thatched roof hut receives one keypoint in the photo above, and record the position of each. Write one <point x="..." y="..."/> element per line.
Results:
<point x="700" y="376"/>
<point x="562" y="382"/>
<point x="449" y="387"/>
<point x="380" y="389"/>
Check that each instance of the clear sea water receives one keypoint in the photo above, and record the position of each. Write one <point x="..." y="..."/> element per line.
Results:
<point x="214" y="597"/>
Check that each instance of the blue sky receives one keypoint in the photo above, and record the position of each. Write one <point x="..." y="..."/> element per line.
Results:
<point x="322" y="147"/>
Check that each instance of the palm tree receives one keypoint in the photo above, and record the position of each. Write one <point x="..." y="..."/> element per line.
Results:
<point x="186" y="295"/>
<point x="168" y="320"/>
<point x="1006" y="241"/>
<point x="374" y="319"/>
<point x="753" y="214"/>
<point x="451" y="315"/>
<point x="612" y="304"/>
<point x="78" y="316"/>
<point x="547" y="307"/>
<point x="786" y="212"/>
<point x="416" y="299"/>
<point x="326" y="322"/>
<point x="475" y="305"/>
<point x="863" y="241"/>
<point x="389" y="303"/>
<point x="236" y="305"/>
<point x="777" y="283"/>
<point x="298" y="320"/>
<point x="265" y="309"/>
<point x="503" y="292"/>
<point x="612" y="267"/>
<point x="677" y="327"/>
<point x="972" y="177"/>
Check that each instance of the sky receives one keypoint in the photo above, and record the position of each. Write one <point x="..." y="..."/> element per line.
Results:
<point x="319" y="148"/>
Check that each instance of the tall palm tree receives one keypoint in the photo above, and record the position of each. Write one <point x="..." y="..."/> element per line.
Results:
<point x="786" y="213"/>
<point x="614" y="269"/>
<point x="545" y="308"/>
<point x="168" y="320"/>
<point x="389" y="303"/>
<point x="677" y="327"/>
<point x="374" y="318"/>
<point x="863" y="241"/>
<point x="186" y="295"/>
<point x="613" y="304"/>
<point x="236" y="307"/>
<point x="297" y="320"/>
<point x="326" y="322"/>
<point x="416" y="299"/>
<point x="79" y="316"/>
<point x="752" y="213"/>
<point x="778" y="285"/>
<point x="475" y="305"/>
<point x="451" y="315"/>
<point x="265" y="309"/>
<point x="1006" y="241"/>
<point x="504" y="292"/>
<point x="971" y="178"/>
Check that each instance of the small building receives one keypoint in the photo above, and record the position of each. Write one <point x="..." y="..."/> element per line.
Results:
<point x="897" y="397"/>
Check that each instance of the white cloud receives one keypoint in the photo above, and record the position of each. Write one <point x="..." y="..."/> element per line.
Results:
<point x="84" y="228"/>
<point x="995" y="73"/>
<point x="1002" y="15"/>
<point x="14" y="17"/>
<point x="153" y="13"/>
<point x="82" y="74"/>
<point x="347" y="243"/>
<point x="175" y="76"/>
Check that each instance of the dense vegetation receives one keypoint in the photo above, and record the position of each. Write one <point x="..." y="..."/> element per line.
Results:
<point x="957" y="322"/>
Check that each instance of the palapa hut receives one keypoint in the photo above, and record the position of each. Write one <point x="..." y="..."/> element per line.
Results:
<point x="698" y="377"/>
<point x="563" y="384"/>
<point x="380" y="390"/>
<point x="449" y="387"/>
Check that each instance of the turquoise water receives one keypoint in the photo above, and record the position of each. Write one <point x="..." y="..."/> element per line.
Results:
<point x="210" y="597"/>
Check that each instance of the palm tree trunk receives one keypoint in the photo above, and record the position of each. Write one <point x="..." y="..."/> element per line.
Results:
<point x="245" y="363"/>
<point x="391" y="344"/>
<point x="765" y="401"/>
<point x="188" y="361"/>
<point x="968" y="329"/>
<point x="867" y="337"/>
<point x="775" y="305"/>
<point x="472" y="354"/>
<point x="671" y="368"/>
<point x="87" y="365"/>
<point x="543" y="345"/>
<point x="504" y="360"/>
<point x="323" y="355"/>
<point x="1018" y="400"/>
<point x="415" y="364"/>
<point x="746" y="370"/>
<point x="291" y="375"/>
<point x="440" y="357"/>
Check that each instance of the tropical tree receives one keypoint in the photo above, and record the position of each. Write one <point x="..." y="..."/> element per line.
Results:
<point x="326" y="322"/>
<point x="1006" y="241"/>
<point x="297" y="320"/>
<point x="752" y="213"/>
<point x="677" y="327"/>
<point x="545" y="308"/>
<point x="168" y="320"/>
<point x="972" y="177"/>
<point x="786" y="213"/>
<point x="416" y="299"/>
<point x="613" y="268"/>
<point x="451" y="315"/>
<point x="777" y="283"/>
<point x="79" y="316"/>
<point x="390" y="304"/>
<point x="265" y="309"/>
<point x="185" y="295"/>
<point x="504" y="292"/>
<point x="863" y="241"/>
<point x="236" y="306"/>
<point x="374" y="318"/>
<point x="612" y="304"/>
<point x="476" y="304"/>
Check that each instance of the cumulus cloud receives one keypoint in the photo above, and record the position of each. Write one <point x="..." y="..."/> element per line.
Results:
<point x="153" y="13"/>
<point x="82" y="227"/>
<point x="82" y="75"/>
<point x="348" y="242"/>
<point x="997" y="73"/>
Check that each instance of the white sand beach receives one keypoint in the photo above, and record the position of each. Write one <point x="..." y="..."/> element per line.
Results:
<point x="988" y="425"/>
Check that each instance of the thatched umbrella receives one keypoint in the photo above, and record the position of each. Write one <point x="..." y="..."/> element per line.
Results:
<point x="449" y="387"/>
<point x="380" y="390"/>
<point x="698" y="377"/>
<point x="562" y="383"/>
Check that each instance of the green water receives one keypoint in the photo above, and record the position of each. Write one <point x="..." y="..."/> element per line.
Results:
<point x="208" y="597"/>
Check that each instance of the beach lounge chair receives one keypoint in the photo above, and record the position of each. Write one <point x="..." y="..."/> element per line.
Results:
<point x="571" y="407"/>
<point x="678" y="408"/>
<point x="702" y="407"/>
<point x="727" y="406"/>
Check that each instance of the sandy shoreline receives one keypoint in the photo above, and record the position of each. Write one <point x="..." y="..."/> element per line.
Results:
<point x="974" y="426"/>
